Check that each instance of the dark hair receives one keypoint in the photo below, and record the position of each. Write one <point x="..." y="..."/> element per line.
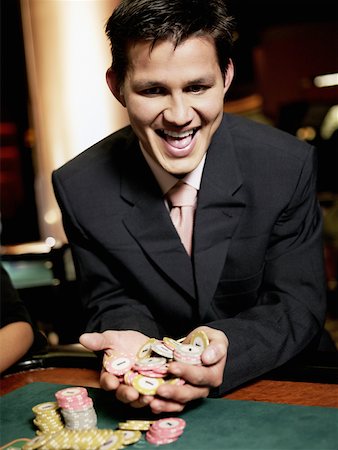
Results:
<point x="154" y="20"/>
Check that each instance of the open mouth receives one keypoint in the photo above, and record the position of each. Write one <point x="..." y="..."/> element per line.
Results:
<point x="178" y="139"/>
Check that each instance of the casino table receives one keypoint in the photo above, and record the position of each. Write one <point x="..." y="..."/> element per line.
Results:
<point x="263" y="415"/>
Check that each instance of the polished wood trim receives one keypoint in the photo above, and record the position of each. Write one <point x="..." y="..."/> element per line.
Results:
<point x="75" y="377"/>
<point x="290" y="392"/>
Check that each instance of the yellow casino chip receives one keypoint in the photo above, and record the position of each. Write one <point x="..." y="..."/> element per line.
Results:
<point x="115" y="442"/>
<point x="135" y="425"/>
<point x="146" y="349"/>
<point x="130" y="437"/>
<point x="146" y="385"/>
<point x="45" y="408"/>
<point x="199" y="339"/>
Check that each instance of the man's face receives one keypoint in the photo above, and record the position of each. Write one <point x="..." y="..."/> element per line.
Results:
<point x="174" y="97"/>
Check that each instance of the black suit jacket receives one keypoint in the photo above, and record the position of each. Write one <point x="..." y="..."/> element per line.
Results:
<point x="256" y="271"/>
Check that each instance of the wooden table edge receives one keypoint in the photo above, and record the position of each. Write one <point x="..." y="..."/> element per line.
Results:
<point x="289" y="392"/>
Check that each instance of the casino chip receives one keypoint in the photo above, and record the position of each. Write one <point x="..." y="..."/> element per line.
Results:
<point x="199" y="339"/>
<point x="119" y="364"/>
<point x="47" y="418"/>
<point x="135" y="425"/>
<point x="189" y="354"/>
<point x="129" y="437"/>
<point x="146" y="385"/>
<point x="165" y="431"/>
<point x="76" y="408"/>
<point x="146" y="349"/>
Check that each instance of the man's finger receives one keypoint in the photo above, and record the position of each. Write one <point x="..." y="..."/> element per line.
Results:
<point x="108" y="381"/>
<point x="93" y="341"/>
<point x="127" y="394"/>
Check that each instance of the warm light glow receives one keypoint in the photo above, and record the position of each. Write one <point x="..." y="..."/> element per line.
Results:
<point x="67" y="55"/>
<point x="328" y="80"/>
<point x="50" y="241"/>
<point x="330" y="123"/>
<point x="51" y="216"/>
<point x="306" y="133"/>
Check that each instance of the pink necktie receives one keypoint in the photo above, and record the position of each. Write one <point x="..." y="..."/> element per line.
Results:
<point x="182" y="200"/>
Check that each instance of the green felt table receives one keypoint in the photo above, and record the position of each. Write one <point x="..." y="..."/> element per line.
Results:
<point x="212" y="424"/>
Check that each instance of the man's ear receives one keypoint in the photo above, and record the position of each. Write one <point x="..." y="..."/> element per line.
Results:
<point x="111" y="79"/>
<point x="228" y="75"/>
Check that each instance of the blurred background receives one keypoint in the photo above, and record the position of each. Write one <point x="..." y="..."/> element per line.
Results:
<point x="55" y="104"/>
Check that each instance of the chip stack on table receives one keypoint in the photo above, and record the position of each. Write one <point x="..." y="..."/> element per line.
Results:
<point x="165" y="431"/>
<point x="47" y="418"/>
<point x="76" y="408"/>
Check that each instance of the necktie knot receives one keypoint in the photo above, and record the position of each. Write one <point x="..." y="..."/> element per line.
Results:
<point x="182" y="194"/>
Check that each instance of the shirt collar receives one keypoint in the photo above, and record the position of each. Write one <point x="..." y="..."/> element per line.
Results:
<point x="166" y="181"/>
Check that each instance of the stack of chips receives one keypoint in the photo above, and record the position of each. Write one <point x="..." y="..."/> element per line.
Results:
<point x="165" y="431"/>
<point x="47" y="418"/>
<point x="159" y="432"/>
<point x="76" y="408"/>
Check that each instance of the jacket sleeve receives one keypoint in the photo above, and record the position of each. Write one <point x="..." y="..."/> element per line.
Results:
<point x="107" y="303"/>
<point x="290" y="309"/>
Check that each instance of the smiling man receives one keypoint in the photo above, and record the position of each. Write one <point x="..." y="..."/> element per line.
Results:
<point x="250" y="271"/>
<point x="174" y="108"/>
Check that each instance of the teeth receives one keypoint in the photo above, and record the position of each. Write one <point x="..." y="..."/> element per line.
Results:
<point x="175" y="134"/>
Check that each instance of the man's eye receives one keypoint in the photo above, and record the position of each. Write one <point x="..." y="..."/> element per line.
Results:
<point x="195" y="89"/>
<point x="152" y="91"/>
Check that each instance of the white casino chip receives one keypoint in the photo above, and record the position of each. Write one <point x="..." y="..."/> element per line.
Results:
<point x="119" y="365"/>
<point x="163" y="350"/>
<point x="150" y="363"/>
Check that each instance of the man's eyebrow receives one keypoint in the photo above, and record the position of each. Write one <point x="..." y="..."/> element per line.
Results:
<point x="141" y="85"/>
<point x="203" y="80"/>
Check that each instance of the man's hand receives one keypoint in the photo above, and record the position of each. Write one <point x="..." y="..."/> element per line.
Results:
<point x="169" y="398"/>
<point x="199" y="379"/>
<point x="125" y="341"/>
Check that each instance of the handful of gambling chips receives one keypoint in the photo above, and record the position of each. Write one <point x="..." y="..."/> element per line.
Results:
<point x="149" y="368"/>
<point x="70" y="423"/>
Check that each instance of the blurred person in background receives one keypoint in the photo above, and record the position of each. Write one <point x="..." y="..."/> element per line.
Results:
<point x="19" y="336"/>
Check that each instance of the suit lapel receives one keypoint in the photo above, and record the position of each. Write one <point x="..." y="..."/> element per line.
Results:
<point x="220" y="205"/>
<point x="148" y="221"/>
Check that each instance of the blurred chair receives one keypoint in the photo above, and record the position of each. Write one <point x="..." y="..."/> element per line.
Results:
<point x="45" y="280"/>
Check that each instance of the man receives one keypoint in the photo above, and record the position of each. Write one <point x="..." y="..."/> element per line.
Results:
<point x="251" y="276"/>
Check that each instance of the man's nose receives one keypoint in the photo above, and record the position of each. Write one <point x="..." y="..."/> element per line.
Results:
<point x="178" y="111"/>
